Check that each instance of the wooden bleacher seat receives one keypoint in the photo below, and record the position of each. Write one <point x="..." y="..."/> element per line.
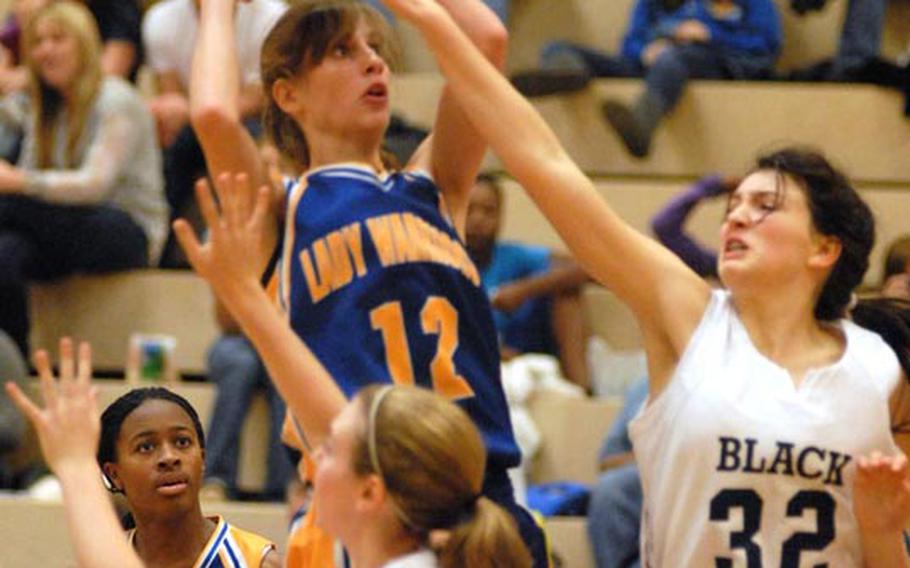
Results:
<point x="107" y="309"/>
<point x="719" y="126"/>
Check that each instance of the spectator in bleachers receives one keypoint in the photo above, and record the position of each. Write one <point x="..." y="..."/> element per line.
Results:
<point x="669" y="224"/>
<point x="896" y="273"/>
<point x="86" y="194"/>
<point x="535" y="293"/>
<point x="668" y="42"/>
<point x="500" y="7"/>
<point x="13" y="475"/>
<point x="235" y="367"/>
<point x="858" y="57"/>
<point x="614" y="512"/>
<point x="118" y="24"/>
<point x="168" y="34"/>
<point x="860" y="38"/>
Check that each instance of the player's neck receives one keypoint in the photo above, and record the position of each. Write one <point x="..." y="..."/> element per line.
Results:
<point x="172" y="541"/>
<point x="785" y="331"/>
<point x="376" y="546"/>
<point x="338" y="150"/>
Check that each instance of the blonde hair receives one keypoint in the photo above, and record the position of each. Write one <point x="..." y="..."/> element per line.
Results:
<point x="299" y="41"/>
<point x="48" y="104"/>
<point x="432" y="460"/>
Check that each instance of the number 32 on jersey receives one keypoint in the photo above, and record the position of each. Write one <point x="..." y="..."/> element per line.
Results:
<point x="437" y="317"/>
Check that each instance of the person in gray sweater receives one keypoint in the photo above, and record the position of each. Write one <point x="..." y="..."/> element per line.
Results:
<point x="86" y="194"/>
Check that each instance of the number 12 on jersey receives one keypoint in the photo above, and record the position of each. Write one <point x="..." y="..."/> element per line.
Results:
<point x="437" y="317"/>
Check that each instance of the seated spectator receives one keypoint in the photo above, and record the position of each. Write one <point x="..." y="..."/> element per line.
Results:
<point x="668" y="224"/>
<point x="168" y="34"/>
<point x="16" y="469"/>
<point x="13" y="74"/>
<point x="896" y="273"/>
<point x="668" y="42"/>
<point x="118" y="24"/>
<point x="86" y="195"/>
<point x="499" y="7"/>
<point x="614" y="512"/>
<point x="236" y="368"/>
<point x="536" y="294"/>
<point x="857" y="59"/>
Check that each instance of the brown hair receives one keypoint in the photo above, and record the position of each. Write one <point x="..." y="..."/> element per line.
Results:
<point x="299" y="41"/>
<point x="432" y="460"/>
<point x="47" y="102"/>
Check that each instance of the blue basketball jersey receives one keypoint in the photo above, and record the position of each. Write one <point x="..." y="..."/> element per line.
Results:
<point x="377" y="283"/>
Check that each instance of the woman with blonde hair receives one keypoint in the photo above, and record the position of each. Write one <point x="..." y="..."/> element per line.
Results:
<point x="87" y="192"/>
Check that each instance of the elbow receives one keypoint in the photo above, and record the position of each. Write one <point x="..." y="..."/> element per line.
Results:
<point x="660" y="229"/>
<point x="210" y="121"/>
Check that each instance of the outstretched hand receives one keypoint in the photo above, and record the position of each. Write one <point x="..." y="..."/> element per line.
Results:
<point x="68" y="426"/>
<point x="230" y="258"/>
<point x="881" y="493"/>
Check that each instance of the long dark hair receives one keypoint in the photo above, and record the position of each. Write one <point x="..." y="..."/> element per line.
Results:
<point x="838" y="210"/>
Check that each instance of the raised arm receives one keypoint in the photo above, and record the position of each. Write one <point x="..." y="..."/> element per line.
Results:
<point x="455" y="150"/>
<point x="224" y="261"/>
<point x="215" y="95"/>
<point x="667" y="298"/>
<point x="68" y="429"/>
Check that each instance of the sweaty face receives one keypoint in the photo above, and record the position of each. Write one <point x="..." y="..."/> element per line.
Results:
<point x="483" y="218"/>
<point x="335" y="484"/>
<point x="348" y="91"/>
<point x="159" y="459"/>
<point x="767" y="234"/>
<point x="55" y="53"/>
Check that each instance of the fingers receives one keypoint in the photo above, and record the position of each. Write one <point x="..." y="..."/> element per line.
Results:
<point x="23" y="403"/>
<point x="187" y="240"/>
<point x="261" y="208"/>
<point x="46" y="378"/>
<point x="207" y="204"/>
<point x="84" y="370"/>
<point x="67" y="361"/>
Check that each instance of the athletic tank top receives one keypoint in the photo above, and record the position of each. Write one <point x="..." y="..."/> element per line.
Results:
<point x="377" y="283"/>
<point x="741" y="468"/>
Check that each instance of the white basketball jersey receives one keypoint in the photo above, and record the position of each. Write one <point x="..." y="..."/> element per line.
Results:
<point x="740" y="468"/>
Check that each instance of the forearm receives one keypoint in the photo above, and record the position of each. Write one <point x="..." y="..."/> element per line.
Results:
<point x="884" y="550"/>
<point x="562" y="278"/>
<point x="215" y="76"/>
<point x="97" y="537"/>
<point x="310" y="392"/>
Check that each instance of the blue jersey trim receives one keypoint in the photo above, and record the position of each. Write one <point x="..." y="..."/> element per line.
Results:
<point x="213" y="551"/>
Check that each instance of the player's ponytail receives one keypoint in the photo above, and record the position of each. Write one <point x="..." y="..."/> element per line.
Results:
<point x="483" y="537"/>
<point x="890" y="318"/>
<point x="432" y="461"/>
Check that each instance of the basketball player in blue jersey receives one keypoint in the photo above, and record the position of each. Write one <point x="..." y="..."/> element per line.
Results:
<point x="374" y="276"/>
<point x="777" y="406"/>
